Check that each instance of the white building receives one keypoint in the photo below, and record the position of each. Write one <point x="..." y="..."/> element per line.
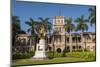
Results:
<point x="57" y="41"/>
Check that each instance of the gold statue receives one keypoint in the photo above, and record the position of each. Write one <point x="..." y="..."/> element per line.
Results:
<point x="42" y="32"/>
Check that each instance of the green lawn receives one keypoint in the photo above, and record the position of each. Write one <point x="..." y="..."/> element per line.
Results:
<point x="58" y="58"/>
<point x="55" y="60"/>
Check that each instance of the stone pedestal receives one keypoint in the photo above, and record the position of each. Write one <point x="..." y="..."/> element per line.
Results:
<point x="40" y="53"/>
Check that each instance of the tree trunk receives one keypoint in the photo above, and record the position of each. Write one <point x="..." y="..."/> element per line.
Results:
<point x="30" y="44"/>
<point x="53" y="47"/>
<point x="82" y="41"/>
<point x="70" y="39"/>
<point x="35" y="42"/>
<point x="76" y="42"/>
<point x="85" y="42"/>
<point x="65" y="42"/>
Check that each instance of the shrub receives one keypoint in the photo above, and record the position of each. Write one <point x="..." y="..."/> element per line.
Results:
<point x="58" y="55"/>
<point x="54" y="55"/>
<point x="83" y="55"/>
<point x="50" y="55"/>
<point x="22" y="55"/>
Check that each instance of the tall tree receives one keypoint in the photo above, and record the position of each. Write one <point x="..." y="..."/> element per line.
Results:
<point x="92" y="16"/>
<point x="32" y="29"/>
<point x="32" y="24"/>
<point x="15" y="27"/>
<point x="69" y="27"/>
<point x="82" y="26"/>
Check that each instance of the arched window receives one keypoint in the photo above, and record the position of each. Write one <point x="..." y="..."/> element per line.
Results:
<point x="80" y="47"/>
<point x="67" y="47"/>
<point x="67" y="40"/>
<point x="73" y="47"/>
<point x="50" y="48"/>
<point x="58" y="50"/>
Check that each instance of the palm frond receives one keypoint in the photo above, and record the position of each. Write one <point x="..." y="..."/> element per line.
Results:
<point x="69" y="26"/>
<point x="28" y="30"/>
<point x="92" y="16"/>
<point x="28" y="23"/>
<point x="82" y="25"/>
<point x="41" y="19"/>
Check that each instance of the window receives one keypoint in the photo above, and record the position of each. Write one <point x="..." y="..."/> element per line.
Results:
<point x="67" y="47"/>
<point x="80" y="47"/>
<point x="50" y="48"/>
<point x="67" y="40"/>
<point x="59" y="50"/>
<point x="62" y="21"/>
<point x="73" y="47"/>
<point x="58" y="21"/>
<point x="79" y="39"/>
<point x="73" y="39"/>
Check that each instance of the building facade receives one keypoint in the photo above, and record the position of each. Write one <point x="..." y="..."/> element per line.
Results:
<point x="89" y="38"/>
<point x="57" y="41"/>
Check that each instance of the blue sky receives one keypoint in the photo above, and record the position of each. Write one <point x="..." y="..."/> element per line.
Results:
<point x="26" y="10"/>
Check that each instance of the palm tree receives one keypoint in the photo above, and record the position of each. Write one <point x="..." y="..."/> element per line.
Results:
<point x="15" y="27"/>
<point x="69" y="27"/>
<point x="32" y="24"/>
<point x="81" y="26"/>
<point x="92" y="16"/>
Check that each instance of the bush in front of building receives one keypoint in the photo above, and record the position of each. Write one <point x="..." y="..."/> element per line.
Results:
<point x="22" y="55"/>
<point x="65" y="51"/>
<point x="83" y="55"/>
<point x="52" y="55"/>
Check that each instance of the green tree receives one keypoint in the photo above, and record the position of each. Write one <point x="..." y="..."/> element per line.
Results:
<point x="81" y="26"/>
<point x="15" y="28"/>
<point x="32" y="29"/>
<point x="32" y="24"/>
<point x="69" y="27"/>
<point x="92" y="16"/>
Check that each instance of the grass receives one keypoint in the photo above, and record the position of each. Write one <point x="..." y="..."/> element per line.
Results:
<point x="55" y="60"/>
<point x="71" y="57"/>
